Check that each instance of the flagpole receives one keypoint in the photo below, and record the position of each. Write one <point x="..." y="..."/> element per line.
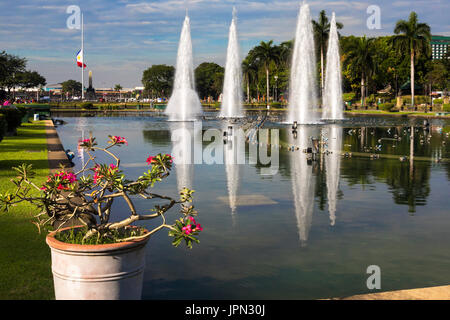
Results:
<point x="82" y="60"/>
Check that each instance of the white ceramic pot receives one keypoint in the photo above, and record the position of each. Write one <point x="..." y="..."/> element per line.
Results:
<point x="97" y="272"/>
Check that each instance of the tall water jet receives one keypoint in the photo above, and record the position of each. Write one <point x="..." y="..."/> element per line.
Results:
<point x="232" y="86"/>
<point x="303" y="88"/>
<point x="332" y="98"/>
<point x="303" y="182"/>
<point x="184" y="104"/>
<point x="333" y="167"/>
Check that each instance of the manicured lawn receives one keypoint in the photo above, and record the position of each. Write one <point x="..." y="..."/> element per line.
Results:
<point x="25" y="265"/>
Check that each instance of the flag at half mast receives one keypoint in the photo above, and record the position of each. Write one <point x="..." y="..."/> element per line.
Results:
<point x="80" y="59"/>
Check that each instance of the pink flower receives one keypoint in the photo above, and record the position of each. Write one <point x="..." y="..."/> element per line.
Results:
<point x="187" y="230"/>
<point x="43" y="188"/>
<point x="119" y="140"/>
<point x="170" y="157"/>
<point x="150" y="160"/>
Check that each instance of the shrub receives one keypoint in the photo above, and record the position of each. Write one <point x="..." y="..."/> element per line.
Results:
<point x="446" y="107"/>
<point x="438" y="101"/>
<point x="276" y="105"/>
<point x="347" y="97"/>
<point x="388" y="106"/>
<point x="3" y="126"/>
<point x="87" y="105"/>
<point x="13" y="117"/>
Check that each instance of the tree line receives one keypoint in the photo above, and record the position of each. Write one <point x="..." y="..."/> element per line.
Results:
<point x="13" y="73"/>
<point x="369" y="65"/>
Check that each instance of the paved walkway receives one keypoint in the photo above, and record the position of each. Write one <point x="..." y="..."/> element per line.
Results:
<point x="56" y="153"/>
<point x="431" y="293"/>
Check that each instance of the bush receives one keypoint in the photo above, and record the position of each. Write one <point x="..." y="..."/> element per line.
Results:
<point x="446" y="107"/>
<point x="13" y="117"/>
<point x="388" y="106"/>
<point x="87" y="105"/>
<point x="277" y="105"/>
<point x="347" y="97"/>
<point x="3" y="126"/>
<point x="438" y="101"/>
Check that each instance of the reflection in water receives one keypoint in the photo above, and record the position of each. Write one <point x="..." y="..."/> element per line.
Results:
<point x="234" y="150"/>
<point x="333" y="166"/>
<point x="303" y="181"/>
<point x="183" y="135"/>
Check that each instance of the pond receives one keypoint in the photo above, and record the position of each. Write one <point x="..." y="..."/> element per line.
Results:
<point x="305" y="225"/>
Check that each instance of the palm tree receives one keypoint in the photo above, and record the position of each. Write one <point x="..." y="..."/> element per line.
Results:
<point x="413" y="37"/>
<point x="118" y="87"/>
<point x="360" y="55"/>
<point x="266" y="53"/>
<point x="249" y="71"/>
<point x="321" y="33"/>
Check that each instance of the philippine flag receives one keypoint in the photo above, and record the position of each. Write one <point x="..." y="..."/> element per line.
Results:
<point x="80" y="59"/>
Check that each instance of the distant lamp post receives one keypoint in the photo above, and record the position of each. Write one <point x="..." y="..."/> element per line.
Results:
<point x="276" y="88"/>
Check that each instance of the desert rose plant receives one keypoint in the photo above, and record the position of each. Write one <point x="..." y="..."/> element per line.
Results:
<point x="86" y="198"/>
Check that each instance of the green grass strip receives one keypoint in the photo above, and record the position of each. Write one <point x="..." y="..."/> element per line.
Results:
<point x="25" y="263"/>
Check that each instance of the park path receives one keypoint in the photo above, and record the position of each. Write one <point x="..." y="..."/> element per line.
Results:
<point x="55" y="149"/>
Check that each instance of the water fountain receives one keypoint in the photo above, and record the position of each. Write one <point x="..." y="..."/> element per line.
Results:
<point x="303" y="89"/>
<point x="303" y="181"/>
<point x="332" y="167"/>
<point x="332" y="98"/>
<point x="232" y="88"/>
<point x="184" y="104"/>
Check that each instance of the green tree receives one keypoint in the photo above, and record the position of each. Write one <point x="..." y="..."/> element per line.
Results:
<point x="413" y="37"/>
<point x="360" y="55"/>
<point x="118" y="87"/>
<point x="10" y="66"/>
<point x="266" y="54"/>
<point x="71" y="86"/>
<point x="209" y="79"/>
<point x="321" y="34"/>
<point x="249" y="71"/>
<point x="30" y="79"/>
<point x="158" y="79"/>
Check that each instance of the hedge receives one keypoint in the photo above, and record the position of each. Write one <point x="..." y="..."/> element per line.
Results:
<point x="438" y="101"/>
<point x="3" y="126"/>
<point x="13" y="117"/>
<point x="87" y="105"/>
<point x="388" y="106"/>
<point x="446" y="107"/>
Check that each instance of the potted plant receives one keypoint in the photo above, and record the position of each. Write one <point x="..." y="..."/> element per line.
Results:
<point x="94" y="257"/>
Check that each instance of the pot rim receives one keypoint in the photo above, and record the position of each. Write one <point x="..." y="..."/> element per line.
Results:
<point x="53" y="243"/>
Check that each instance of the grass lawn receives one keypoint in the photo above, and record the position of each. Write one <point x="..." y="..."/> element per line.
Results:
<point x="25" y="264"/>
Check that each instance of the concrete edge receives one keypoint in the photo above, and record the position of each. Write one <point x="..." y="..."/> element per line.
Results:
<point x="55" y="150"/>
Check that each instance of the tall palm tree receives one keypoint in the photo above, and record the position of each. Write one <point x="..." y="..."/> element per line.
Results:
<point x="361" y="56"/>
<point x="249" y="70"/>
<point x="118" y="87"/>
<point x="414" y="37"/>
<point x="266" y="53"/>
<point x="321" y="34"/>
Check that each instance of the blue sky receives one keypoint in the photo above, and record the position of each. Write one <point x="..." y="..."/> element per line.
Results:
<point x="124" y="37"/>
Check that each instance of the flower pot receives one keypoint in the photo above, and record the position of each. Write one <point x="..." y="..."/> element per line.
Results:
<point x="97" y="272"/>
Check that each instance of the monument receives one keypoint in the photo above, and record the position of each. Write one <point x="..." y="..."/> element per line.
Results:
<point x="90" y="91"/>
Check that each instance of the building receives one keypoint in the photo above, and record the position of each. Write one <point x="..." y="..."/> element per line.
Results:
<point x="439" y="46"/>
